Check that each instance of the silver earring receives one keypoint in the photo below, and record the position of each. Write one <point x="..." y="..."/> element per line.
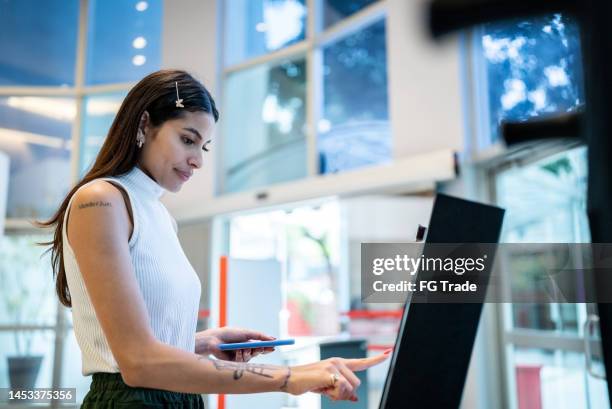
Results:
<point x="140" y="139"/>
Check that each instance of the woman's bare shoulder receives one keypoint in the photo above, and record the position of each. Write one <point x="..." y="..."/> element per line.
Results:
<point x="100" y="204"/>
<point x="97" y="194"/>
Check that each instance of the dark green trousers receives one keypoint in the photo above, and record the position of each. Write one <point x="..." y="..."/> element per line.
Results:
<point x="108" y="391"/>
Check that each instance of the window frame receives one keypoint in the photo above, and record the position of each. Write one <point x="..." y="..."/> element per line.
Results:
<point x="18" y="226"/>
<point x="488" y="159"/>
<point x="508" y="335"/>
<point x="310" y="48"/>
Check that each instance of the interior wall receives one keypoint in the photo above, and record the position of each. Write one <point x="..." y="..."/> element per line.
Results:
<point x="424" y="83"/>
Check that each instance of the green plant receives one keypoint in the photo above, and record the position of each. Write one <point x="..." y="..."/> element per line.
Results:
<point x="322" y="244"/>
<point x="25" y="286"/>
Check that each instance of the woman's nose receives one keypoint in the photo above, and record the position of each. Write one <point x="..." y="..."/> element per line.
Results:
<point x="195" y="161"/>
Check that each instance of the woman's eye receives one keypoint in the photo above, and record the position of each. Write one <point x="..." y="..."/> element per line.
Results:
<point x="205" y="147"/>
<point x="187" y="141"/>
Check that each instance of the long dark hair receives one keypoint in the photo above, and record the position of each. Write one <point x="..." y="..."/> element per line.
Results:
<point x="156" y="94"/>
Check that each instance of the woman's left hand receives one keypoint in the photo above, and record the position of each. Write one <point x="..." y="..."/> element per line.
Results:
<point x="207" y="342"/>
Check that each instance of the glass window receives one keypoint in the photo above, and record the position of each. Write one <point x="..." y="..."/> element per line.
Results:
<point x="548" y="379"/>
<point x="27" y="294"/>
<point x="26" y="352"/>
<point x="100" y="111"/>
<point x="546" y="200"/>
<point x="336" y="10"/>
<point x="35" y="133"/>
<point x="546" y="203"/>
<point x="533" y="67"/>
<point x="123" y="40"/>
<point x="264" y="125"/>
<point x="354" y="127"/>
<point x="306" y="242"/>
<point x="38" y="40"/>
<point x="255" y="27"/>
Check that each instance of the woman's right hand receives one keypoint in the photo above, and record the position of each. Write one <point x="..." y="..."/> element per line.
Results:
<point x="333" y="377"/>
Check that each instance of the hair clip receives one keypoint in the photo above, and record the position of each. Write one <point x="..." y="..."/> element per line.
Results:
<point x="179" y="101"/>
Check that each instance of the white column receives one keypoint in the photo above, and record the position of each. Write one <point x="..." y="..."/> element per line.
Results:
<point x="189" y="42"/>
<point x="424" y="83"/>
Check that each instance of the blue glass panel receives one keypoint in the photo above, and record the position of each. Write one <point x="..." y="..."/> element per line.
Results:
<point x="123" y="40"/>
<point x="99" y="113"/>
<point x="534" y="67"/>
<point x="38" y="40"/>
<point x="35" y="132"/>
<point x="264" y="116"/>
<point x="354" y="128"/>
<point x="255" y="27"/>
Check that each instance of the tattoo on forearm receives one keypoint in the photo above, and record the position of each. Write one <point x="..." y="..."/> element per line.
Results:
<point x="285" y="384"/>
<point x="240" y="368"/>
<point x="97" y="203"/>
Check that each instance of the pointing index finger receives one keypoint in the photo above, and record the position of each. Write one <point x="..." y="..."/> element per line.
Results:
<point x="361" y="364"/>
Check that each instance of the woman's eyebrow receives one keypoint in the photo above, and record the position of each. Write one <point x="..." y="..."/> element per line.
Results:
<point x="195" y="132"/>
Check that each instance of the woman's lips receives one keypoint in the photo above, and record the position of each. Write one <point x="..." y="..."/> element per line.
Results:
<point x="183" y="175"/>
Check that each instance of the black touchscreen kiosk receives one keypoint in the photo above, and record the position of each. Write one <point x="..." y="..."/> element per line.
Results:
<point x="434" y="344"/>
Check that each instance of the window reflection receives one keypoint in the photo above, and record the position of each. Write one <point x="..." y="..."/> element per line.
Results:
<point x="265" y="116"/>
<point x="35" y="133"/>
<point x="546" y="203"/>
<point x="255" y="27"/>
<point x="336" y="10"/>
<point x="354" y="128"/>
<point x="533" y="67"/>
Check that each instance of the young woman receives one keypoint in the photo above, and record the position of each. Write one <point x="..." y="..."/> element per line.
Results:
<point x="134" y="296"/>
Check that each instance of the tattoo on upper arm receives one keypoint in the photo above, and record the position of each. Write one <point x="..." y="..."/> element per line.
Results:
<point x="97" y="203"/>
<point x="239" y="368"/>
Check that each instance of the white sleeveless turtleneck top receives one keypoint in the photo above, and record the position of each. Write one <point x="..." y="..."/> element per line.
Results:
<point x="168" y="283"/>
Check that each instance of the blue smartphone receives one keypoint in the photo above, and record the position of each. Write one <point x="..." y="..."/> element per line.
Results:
<point x="256" y="344"/>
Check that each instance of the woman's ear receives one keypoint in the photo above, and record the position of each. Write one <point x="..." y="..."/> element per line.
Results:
<point x="145" y="122"/>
